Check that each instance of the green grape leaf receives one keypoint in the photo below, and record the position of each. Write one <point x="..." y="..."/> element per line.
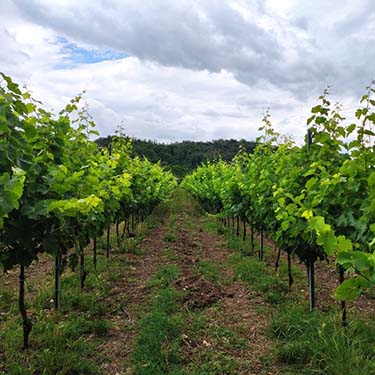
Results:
<point x="351" y="289"/>
<point x="354" y="259"/>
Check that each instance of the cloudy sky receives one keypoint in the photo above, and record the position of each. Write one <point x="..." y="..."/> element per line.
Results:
<point x="191" y="69"/>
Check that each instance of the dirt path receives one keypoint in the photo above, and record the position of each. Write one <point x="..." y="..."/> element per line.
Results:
<point x="127" y="299"/>
<point x="224" y="303"/>
<point x="227" y="304"/>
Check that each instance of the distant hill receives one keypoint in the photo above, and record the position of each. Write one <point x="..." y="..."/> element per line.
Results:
<point x="183" y="157"/>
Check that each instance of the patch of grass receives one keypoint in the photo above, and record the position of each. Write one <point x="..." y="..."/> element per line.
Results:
<point x="210" y="225"/>
<point x="291" y="322"/>
<point x="158" y="215"/>
<point x="317" y="342"/>
<point x="209" y="270"/>
<point x="246" y="269"/>
<point x="272" y="287"/>
<point x="297" y="272"/>
<point x="211" y="344"/>
<point x="43" y="299"/>
<point x="8" y="298"/>
<point x="227" y="338"/>
<point x="131" y="246"/>
<point x="81" y="326"/>
<point x="191" y="225"/>
<point x="234" y="243"/>
<point x="167" y="300"/>
<point x="169" y="237"/>
<point x="157" y="346"/>
<point x="60" y="359"/>
<point x="57" y="347"/>
<point x="213" y="362"/>
<point x="74" y="299"/>
<point x="164" y="276"/>
<point x="170" y="253"/>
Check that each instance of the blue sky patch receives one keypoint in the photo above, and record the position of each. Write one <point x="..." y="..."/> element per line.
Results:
<point x="73" y="54"/>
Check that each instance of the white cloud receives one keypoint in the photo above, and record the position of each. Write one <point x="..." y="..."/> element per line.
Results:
<point x="196" y="69"/>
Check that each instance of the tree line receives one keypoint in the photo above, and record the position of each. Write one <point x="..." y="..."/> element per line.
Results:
<point x="183" y="157"/>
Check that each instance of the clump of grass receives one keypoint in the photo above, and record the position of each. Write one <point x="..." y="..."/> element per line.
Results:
<point x="273" y="288"/>
<point x="291" y="322"/>
<point x="234" y="243"/>
<point x="157" y="348"/>
<point x="170" y="254"/>
<point x="209" y="270"/>
<point x="319" y="343"/>
<point x="74" y="299"/>
<point x="56" y="360"/>
<point x="167" y="300"/>
<point x="164" y="276"/>
<point x="169" y="237"/>
<point x="250" y="270"/>
<point x="57" y="347"/>
<point x="213" y="362"/>
<point x="7" y="299"/>
<point x="81" y="326"/>
<point x="131" y="246"/>
<point x="210" y="226"/>
<point x="246" y="269"/>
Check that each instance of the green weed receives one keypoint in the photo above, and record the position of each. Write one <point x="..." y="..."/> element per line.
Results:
<point x="209" y="270"/>
<point x="319" y="343"/>
<point x="164" y="276"/>
<point x="169" y="237"/>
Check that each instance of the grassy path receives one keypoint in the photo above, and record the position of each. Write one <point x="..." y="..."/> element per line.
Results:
<point x="219" y="328"/>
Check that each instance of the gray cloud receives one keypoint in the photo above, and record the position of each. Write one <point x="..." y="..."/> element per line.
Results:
<point x="186" y="56"/>
<point x="215" y="36"/>
<point x="190" y="34"/>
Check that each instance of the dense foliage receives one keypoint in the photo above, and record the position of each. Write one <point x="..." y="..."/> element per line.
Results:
<point x="314" y="200"/>
<point x="58" y="190"/>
